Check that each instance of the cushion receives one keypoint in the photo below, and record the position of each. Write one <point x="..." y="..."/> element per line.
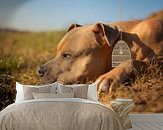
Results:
<point x="92" y="92"/>
<point x="51" y="95"/>
<point x="79" y="90"/>
<point x="24" y="92"/>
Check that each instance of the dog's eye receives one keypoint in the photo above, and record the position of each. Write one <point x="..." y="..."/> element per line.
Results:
<point x="67" y="55"/>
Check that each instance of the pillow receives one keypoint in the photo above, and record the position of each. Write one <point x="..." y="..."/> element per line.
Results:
<point x="24" y="92"/>
<point x="92" y="92"/>
<point x="50" y="95"/>
<point x="53" y="88"/>
<point x="79" y="90"/>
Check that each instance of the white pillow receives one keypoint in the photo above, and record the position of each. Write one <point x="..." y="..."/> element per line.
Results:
<point x="54" y="88"/>
<point x="79" y="90"/>
<point x="24" y="92"/>
<point x="92" y="92"/>
<point x="50" y="95"/>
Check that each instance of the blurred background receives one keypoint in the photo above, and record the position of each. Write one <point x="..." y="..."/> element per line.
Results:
<point x="31" y="29"/>
<point x="41" y="15"/>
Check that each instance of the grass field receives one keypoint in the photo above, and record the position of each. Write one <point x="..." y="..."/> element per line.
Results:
<point x="20" y="55"/>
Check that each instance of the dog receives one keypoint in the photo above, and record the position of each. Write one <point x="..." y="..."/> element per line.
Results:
<point x="85" y="53"/>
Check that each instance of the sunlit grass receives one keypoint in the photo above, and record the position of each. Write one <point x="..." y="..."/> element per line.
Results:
<point x="20" y="55"/>
<point x="146" y="89"/>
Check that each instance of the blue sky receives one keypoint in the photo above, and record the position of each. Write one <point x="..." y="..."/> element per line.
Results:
<point x="41" y="15"/>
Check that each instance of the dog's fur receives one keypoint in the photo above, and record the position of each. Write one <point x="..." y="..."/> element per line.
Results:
<point x="85" y="52"/>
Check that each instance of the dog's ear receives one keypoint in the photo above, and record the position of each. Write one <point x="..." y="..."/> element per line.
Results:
<point x="105" y="34"/>
<point x="73" y="26"/>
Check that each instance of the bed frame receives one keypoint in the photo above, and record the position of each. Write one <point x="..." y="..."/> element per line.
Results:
<point x="146" y="121"/>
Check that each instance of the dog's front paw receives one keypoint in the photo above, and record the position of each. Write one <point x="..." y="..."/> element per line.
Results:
<point x="107" y="84"/>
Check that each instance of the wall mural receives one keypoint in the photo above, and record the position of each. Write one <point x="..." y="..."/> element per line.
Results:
<point x="28" y="40"/>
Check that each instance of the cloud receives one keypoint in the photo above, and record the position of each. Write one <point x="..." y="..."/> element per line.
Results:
<point x="7" y="10"/>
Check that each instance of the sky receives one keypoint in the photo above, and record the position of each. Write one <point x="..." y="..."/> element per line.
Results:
<point x="43" y="15"/>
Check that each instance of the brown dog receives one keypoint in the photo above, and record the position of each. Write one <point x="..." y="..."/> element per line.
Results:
<point x="85" y="52"/>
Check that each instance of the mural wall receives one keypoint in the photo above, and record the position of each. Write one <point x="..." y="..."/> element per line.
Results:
<point x="22" y="51"/>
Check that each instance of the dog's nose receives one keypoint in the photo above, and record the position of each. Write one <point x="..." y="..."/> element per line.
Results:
<point x="42" y="70"/>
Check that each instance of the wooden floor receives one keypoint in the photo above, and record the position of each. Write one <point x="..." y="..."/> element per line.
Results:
<point x="147" y="121"/>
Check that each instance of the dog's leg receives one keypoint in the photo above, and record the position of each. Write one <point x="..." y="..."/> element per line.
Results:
<point x="109" y="81"/>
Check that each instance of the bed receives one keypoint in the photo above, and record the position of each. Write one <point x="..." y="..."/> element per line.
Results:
<point x="59" y="114"/>
<point x="60" y="107"/>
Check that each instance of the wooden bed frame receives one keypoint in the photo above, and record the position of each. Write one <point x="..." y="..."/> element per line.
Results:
<point x="146" y="121"/>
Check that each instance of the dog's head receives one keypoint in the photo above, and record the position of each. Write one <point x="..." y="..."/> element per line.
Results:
<point x="84" y="53"/>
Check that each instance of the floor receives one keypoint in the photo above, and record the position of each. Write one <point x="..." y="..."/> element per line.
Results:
<point x="147" y="121"/>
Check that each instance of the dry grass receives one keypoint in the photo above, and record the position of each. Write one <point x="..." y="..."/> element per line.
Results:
<point x="146" y="89"/>
<point x="157" y="15"/>
<point x="21" y="54"/>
